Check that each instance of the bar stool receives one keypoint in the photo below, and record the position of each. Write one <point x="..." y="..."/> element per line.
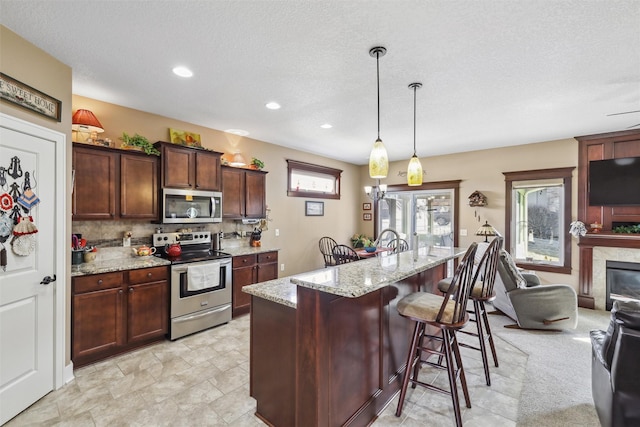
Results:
<point x="448" y="314"/>
<point x="481" y="293"/>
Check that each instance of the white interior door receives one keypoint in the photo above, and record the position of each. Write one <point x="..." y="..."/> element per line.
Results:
<point x="27" y="319"/>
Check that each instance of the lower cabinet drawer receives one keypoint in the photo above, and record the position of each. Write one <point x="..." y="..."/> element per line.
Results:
<point x="146" y="275"/>
<point x="96" y="282"/>
<point x="244" y="260"/>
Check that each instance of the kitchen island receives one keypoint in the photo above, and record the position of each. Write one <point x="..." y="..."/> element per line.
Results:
<point x="328" y="347"/>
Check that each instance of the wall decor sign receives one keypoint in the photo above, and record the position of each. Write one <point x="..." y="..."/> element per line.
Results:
<point x="313" y="208"/>
<point x="367" y="216"/>
<point x="366" y="206"/>
<point x="27" y="97"/>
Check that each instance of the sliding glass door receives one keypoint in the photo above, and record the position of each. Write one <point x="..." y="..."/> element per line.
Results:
<point x="425" y="216"/>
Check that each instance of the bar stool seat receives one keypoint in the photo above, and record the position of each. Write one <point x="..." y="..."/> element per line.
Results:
<point x="446" y="315"/>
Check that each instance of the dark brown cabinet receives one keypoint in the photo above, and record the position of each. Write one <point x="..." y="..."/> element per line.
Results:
<point x="189" y="168"/>
<point x="114" y="184"/>
<point x="112" y="313"/>
<point x="243" y="193"/>
<point x="247" y="270"/>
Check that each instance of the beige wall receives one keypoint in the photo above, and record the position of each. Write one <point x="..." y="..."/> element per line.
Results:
<point x="32" y="66"/>
<point x="299" y="234"/>
<point x="482" y="170"/>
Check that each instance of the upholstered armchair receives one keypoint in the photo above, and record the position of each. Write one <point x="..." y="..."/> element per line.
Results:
<point x="532" y="305"/>
<point x="615" y="372"/>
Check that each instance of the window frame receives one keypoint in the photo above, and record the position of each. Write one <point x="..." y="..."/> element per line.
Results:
<point x="317" y="169"/>
<point x="566" y="174"/>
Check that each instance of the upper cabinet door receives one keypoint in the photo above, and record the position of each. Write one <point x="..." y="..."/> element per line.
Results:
<point x="94" y="188"/>
<point x="138" y="187"/>
<point x="232" y="193"/>
<point x="207" y="171"/>
<point x="255" y="189"/>
<point x="178" y="167"/>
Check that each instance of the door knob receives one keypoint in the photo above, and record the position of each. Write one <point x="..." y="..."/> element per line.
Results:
<point x="47" y="279"/>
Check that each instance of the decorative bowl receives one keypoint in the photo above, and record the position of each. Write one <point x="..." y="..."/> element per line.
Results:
<point x="370" y="249"/>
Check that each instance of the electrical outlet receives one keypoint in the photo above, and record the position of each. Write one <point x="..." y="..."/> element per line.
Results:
<point x="126" y="242"/>
<point x="463" y="231"/>
<point x="277" y="234"/>
<point x="281" y="267"/>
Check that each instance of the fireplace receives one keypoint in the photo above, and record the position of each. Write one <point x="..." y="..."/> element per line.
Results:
<point x="623" y="281"/>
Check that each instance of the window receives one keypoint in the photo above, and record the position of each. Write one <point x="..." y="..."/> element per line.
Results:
<point x="308" y="180"/>
<point x="538" y="205"/>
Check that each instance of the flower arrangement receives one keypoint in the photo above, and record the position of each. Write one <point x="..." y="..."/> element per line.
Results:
<point x="361" y="241"/>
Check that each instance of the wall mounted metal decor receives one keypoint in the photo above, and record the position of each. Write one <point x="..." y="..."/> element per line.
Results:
<point x="25" y="96"/>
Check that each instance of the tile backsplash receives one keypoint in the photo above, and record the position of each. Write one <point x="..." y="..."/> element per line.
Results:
<point x="105" y="234"/>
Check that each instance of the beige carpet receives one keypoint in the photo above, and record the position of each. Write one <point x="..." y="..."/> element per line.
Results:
<point x="557" y="390"/>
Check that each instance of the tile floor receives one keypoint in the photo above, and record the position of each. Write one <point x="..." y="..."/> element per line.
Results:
<point x="203" y="380"/>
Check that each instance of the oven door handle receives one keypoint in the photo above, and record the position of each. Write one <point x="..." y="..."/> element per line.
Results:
<point x="180" y="270"/>
<point x="199" y="315"/>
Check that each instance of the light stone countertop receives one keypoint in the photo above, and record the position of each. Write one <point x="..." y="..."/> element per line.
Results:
<point x="247" y="250"/>
<point x="119" y="259"/>
<point x="354" y="279"/>
<point x="116" y="259"/>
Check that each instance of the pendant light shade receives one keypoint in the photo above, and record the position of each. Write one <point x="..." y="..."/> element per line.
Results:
<point x="414" y="170"/>
<point x="378" y="159"/>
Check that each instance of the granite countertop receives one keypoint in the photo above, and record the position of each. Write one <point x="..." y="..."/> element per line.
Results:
<point x="354" y="279"/>
<point x="247" y="250"/>
<point x="116" y="259"/>
<point x="120" y="259"/>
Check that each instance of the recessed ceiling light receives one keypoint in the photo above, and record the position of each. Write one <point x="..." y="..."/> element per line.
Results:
<point x="273" y="106"/>
<point x="326" y="126"/>
<point x="238" y="132"/>
<point x="182" y="71"/>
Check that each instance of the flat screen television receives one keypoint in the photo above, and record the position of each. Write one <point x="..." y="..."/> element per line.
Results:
<point x="614" y="182"/>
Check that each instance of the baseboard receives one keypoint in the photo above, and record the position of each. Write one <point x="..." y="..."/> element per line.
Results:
<point x="68" y="373"/>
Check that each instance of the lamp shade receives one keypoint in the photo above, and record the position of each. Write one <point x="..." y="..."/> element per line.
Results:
<point x="378" y="161"/>
<point x="414" y="172"/>
<point x="486" y="230"/>
<point x="86" y="121"/>
<point x="238" y="160"/>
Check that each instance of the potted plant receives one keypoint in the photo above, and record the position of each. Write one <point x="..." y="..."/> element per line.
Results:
<point x="257" y="163"/>
<point x="361" y="241"/>
<point x="138" y="141"/>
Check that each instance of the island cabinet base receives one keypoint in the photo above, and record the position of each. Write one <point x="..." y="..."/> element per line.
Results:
<point x="332" y="361"/>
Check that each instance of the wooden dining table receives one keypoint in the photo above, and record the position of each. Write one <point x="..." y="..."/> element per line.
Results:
<point x="362" y="253"/>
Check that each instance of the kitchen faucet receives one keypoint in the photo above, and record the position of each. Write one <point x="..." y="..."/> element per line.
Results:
<point x="390" y="230"/>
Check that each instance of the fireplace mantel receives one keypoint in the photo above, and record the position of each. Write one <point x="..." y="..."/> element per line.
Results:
<point x="611" y="240"/>
<point x="586" y="245"/>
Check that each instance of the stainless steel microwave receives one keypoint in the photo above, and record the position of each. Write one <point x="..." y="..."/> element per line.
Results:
<point x="190" y="206"/>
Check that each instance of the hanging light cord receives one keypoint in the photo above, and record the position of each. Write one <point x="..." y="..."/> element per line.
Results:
<point x="414" y="119"/>
<point x="378" y="82"/>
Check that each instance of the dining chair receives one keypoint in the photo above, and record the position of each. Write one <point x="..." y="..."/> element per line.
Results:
<point x="481" y="293"/>
<point x="343" y="254"/>
<point x="404" y="246"/>
<point x="448" y="314"/>
<point x="326" y="248"/>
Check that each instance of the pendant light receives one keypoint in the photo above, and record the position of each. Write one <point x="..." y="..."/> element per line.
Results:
<point x="414" y="170"/>
<point x="378" y="159"/>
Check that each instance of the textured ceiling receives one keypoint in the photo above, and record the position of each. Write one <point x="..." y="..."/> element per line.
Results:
<point x="494" y="73"/>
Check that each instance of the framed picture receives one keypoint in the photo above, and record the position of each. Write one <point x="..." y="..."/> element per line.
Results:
<point x="366" y="206"/>
<point x="313" y="208"/>
<point x="182" y="137"/>
<point x="367" y="216"/>
<point x="27" y="97"/>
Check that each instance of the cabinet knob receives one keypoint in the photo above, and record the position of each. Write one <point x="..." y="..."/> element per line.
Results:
<point x="149" y="274"/>
<point x="130" y="289"/>
<point x="120" y="292"/>
<point x="100" y="282"/>
<point x="244" y="260"/>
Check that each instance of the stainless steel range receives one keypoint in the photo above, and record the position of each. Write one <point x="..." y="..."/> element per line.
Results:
<point x="200" y="283"/>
